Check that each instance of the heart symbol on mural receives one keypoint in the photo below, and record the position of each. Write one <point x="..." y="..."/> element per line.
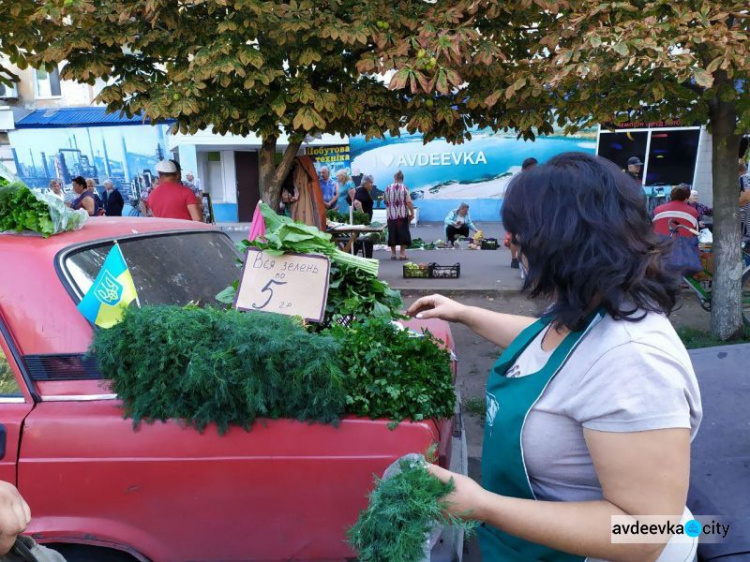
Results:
<point x="386" y="160"/>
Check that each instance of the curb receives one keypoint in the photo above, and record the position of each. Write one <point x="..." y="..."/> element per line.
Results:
<point x="418" y="292"/>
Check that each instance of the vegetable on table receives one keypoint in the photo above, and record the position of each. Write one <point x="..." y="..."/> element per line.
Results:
<point x="402" y="512"/>
<point x="358" y="217"/>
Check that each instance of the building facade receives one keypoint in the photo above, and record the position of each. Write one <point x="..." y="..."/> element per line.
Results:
<point x="52" y="128"/>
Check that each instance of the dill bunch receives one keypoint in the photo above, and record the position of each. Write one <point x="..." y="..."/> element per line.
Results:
<point x="207" y="366"/>
<point x="402" y="512"/>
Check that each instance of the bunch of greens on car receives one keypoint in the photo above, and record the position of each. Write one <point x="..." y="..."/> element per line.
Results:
<point x="226" y="367"/>
<point x="20" y="210"/>
<point x="284" y="235"/>
<point x="23" y="210"/>
<point x="393" y="373"/>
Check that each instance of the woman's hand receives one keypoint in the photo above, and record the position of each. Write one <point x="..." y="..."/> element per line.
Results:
<point x="437" y="306"/>
<point x="467" y="499"/>
<point x="14" y="516"/>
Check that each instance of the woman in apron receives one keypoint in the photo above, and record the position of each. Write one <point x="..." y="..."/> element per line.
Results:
<point x="591" y="408"/>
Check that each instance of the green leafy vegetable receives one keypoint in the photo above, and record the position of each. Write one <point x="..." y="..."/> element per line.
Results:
<point x="354" y="294"/>
<point x="227" y="367"/>
<point x="394" y="373"/>
<point x="401" y="514"/>
<point x="283" y="235"/>
<point x="358" y="217"/>
<point x="20" y="210"/>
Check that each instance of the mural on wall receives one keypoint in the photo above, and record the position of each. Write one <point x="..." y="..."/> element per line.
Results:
<point x="126" y="154"/>
<point x="441" y="175"/>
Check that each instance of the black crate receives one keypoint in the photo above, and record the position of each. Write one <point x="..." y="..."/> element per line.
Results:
<point x="445" y="271"/>
<point x="417" y="273"/>
<point x="490" y="244"/>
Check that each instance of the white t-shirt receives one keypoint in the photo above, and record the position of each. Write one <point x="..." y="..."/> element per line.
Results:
<point x="623" y="377"/>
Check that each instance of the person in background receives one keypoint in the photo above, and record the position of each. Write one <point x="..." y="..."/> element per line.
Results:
<point x="458" y="222"/>
<point x="591" y="408"/>
<point x="527" y="165"/>
<point x="703" y="210"/>
<point x="364" y="203"/>
<point x="289" y="196"/>
<point x="195" y="184"/>
<point x="91" y="184"/>
<point x="55" y="188"/>
<point x="112" y="200"/>
<point x="346" y="189"/>
<point x="676" y="211"/>
<point x="329" y="188"/>
<point x="744" y="199"/>
<point x="634" y="168"/>
<point x="400" y="212"/>
<point x="170" y="199"/>
<point x="143" y="196"/>
<point x="86" y="198"/>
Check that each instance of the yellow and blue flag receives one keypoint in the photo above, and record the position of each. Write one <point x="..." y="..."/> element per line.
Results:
<point x="113" y="290"/>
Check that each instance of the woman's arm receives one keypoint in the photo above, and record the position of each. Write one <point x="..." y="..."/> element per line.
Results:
<point x="642" y="474"/>
<point x="88" y="204"/>
<point x="499" y="328"/>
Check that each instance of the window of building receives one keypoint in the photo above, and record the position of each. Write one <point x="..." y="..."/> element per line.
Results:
<point x="621" y="146"/>
<point x="47" y="83"/>
<point x="672" y="156"/>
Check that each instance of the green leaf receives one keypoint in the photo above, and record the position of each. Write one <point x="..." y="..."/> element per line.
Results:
<point x="703" y="78"/>
<point x="279" y="106"/>
<point x="621" y="49"/>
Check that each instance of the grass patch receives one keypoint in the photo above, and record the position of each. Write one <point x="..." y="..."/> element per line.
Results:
<point x="695" y="339"/>
<point x="475" y="406"/>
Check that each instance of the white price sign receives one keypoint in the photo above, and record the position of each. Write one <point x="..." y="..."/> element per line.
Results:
<point x="291" y="284"/>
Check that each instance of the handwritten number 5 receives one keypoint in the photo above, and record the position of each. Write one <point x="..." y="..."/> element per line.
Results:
<point x="268" y="289"/>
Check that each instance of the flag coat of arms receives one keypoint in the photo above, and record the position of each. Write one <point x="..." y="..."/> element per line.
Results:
<point x="112" y="291"/>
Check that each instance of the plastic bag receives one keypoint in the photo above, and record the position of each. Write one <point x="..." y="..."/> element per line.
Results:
<point x="706" y="237"/>
<point x="61" y="217"/>
<point x="683" y="257"/>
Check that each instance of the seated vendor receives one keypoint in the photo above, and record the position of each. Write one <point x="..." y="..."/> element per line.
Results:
<point x="458" y="222"/>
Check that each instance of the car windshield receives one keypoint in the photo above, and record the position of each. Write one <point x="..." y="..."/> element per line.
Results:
<point x="176" y="269"/>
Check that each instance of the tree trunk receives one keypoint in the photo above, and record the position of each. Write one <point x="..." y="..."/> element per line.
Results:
<point x="271" y="175"/>
<point x="726" y="295"/>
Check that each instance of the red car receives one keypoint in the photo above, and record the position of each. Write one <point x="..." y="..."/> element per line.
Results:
<point x="101" y="491"/>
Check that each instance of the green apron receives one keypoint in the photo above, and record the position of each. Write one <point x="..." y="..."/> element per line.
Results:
<point x="509" y="401"/>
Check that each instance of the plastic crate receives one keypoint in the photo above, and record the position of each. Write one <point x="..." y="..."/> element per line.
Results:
<point x="490" y="244"/>
<point x="433" y="271"/>
<point x="445" y="271"/>
<point x="417" y="272"/>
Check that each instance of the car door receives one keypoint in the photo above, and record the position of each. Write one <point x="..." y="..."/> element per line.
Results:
<point x="15" y="405"/>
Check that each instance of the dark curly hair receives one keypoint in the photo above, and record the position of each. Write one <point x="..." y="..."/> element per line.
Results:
<point x="583" y="228"/>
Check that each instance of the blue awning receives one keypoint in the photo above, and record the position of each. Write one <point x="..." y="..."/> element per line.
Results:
<point x="66" y="117"/>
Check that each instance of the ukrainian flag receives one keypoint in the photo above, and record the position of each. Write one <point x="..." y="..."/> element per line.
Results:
<point x="113" y="290"/>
